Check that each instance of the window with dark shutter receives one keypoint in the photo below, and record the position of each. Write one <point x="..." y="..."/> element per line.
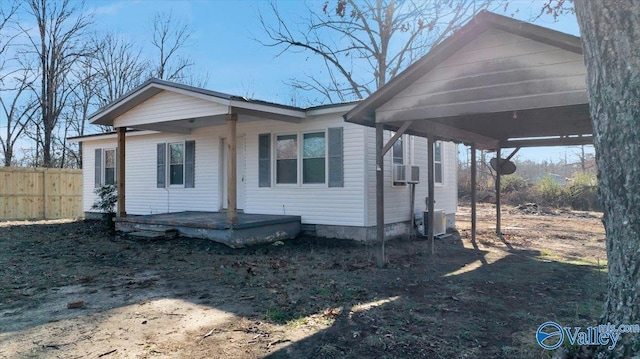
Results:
<point x="336" y="157"/>
<point x="98" y="168"/>
<point x="190" y="164"/>
<point x="264" y="160"/>
<point x="161" y="166"/>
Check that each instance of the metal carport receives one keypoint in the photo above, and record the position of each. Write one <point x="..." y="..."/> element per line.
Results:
<point x="496" y="83"/>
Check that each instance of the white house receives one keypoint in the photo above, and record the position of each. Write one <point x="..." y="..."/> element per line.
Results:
<point x="292" y="161"/>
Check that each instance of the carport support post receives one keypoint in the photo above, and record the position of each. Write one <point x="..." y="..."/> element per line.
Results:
<point x="499" y="165"/>
<point x="431" y="193"/>
<point x="380" y="194"/>
<point x="121" y="211"/>
<point x="473" y="192"/>
<point x="232" y="212"/>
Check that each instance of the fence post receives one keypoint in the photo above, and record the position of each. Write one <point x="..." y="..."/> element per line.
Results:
<point x="45" y="193"/>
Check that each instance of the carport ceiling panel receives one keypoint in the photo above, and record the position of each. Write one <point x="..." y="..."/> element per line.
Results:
<point x="498" y="71"/>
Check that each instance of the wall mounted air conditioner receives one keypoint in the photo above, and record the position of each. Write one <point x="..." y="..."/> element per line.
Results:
<point x="440" y="222"/>
<point x="399" y="173"/>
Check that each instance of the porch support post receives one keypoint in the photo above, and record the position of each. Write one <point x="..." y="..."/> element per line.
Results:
<point x="121" y="211"/>
<point x="394" y="138"/>
<point x="473" y="192"/>
<point x="498" y="216"/>
<point x="380" y="194"/>
<point x="232" y="212"/>
<point x="431" y="192"/>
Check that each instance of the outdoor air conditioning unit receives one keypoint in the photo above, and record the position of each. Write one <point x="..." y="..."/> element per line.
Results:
<point x="440" y="222"/>
<point x="414" y="174"/>
<point x="399" y="173"/>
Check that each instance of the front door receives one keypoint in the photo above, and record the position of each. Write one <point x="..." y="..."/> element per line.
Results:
<point x="240" y="173"/>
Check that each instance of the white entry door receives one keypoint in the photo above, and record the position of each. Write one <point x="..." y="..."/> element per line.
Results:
<point x="240" y="173"/>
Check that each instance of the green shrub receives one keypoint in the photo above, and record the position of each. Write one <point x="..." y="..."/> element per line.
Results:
<point x="582" y="192"/>
<point x="550" y="192"/>
<point x="514" y="183"/>
<point x="107" y="198"/>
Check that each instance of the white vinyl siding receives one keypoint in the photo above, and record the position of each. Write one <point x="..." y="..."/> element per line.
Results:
<point x="352" y="203"/>
<point x="317" y="204"/>
<point x="143" y="196"/>
<point x="396" y="198"/>
<point x="169" y="106"/>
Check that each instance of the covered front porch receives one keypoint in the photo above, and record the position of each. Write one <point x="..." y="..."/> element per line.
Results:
<point x="181" y="113"/>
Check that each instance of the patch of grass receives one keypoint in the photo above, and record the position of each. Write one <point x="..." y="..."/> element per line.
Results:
<point x="278" y="315"/>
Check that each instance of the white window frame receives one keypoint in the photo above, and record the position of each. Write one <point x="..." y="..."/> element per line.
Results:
<point x="299" y="159"/>
<point x="104" y="167"/>
<point x="326" y="159"/>
<point x="405" y="142"/>
<point x="168" y="164"/>
<point x="438" y="162"/>
<point x="275" y="159"/>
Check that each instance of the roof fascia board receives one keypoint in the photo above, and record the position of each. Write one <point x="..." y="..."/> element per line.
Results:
<point x="341" y="109"/>
<point x="108" y="136"/>
<point x="298" y="114"/>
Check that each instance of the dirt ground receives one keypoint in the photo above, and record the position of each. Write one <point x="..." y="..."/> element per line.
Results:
<point x="70" y="289"/>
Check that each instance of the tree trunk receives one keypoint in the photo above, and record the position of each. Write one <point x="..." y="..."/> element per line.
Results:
<point x="611" y="38"/>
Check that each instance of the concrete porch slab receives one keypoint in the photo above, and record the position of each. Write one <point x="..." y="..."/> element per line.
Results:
<point x="251" y="228"/>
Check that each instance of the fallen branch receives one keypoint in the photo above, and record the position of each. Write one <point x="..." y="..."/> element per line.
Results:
<point x="275" y="342"/>
<point x="107" y="353"/>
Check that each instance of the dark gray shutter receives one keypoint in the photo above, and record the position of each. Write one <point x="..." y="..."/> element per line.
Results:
<point x="264" y="160"/>
<point x="162" y="167"/>
<point x="190" y="164"/>
<point x="98" y="168"/>
<point x="115" y="169"/>
<point x="336" y="157"/>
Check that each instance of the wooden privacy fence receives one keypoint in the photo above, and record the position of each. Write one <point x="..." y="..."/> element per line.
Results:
<point x="40" y="193"/>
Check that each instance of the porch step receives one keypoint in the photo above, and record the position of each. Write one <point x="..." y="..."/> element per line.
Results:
<point x="153" y="235"/>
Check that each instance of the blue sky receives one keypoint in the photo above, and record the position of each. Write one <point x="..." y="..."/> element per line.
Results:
<point x="223" y="44"/>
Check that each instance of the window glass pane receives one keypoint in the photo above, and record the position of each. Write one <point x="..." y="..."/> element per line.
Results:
<point x="287" y="159"/>
<point x="438" y="173"/>
<point x="109" y="176"/>
<point x="398" y="152"/>
<point x="176" y="153"/>
<point x="313" y="158"/>
<point x="313" y="170"/>
<point x="437" y="153"/>
<point x="287" y="171"/>
<point x="176" y="174"/>
<point x="287" y="147"/>
<point x="110" y="158"/>
<point x="313" y="145"/>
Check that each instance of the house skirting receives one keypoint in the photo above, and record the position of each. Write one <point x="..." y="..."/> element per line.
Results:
<point x="366" y="234"/>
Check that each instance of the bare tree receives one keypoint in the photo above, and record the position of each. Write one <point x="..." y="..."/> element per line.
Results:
<point x="610" y="32"/>
<point x="118" y="67"/>
<point x="58" y="45"/>
<point x="7" y="11"/>
<point x="17" y="111"/>
<point x="363" y="44"/>
<point x="169" y="36"/>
